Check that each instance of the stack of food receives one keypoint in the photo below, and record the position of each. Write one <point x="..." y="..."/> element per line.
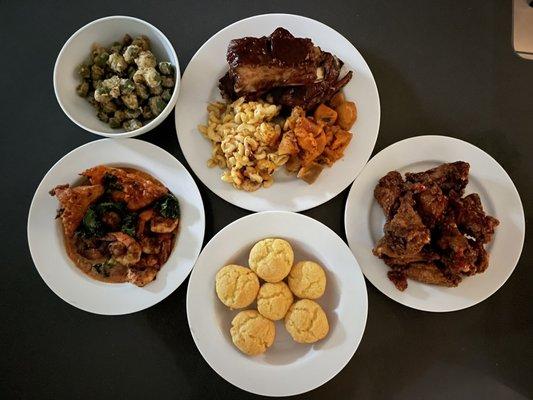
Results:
<point x="271" y="260"/>
<point x="433" y="234"/>
<point x="125" y="83"/>
<point x="120" y="226"/>
<point x="283" y="106"/>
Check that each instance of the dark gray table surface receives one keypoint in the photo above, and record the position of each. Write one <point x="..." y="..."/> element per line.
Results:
<point x="442" y="67"/>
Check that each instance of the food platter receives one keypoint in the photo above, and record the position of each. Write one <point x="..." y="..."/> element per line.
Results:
<point x="199" y="87"/>
<point x="46" y="240"/>
<point x="276" y="114"/>
<point x="364" y="220"/>
<point x="288" y="368"/>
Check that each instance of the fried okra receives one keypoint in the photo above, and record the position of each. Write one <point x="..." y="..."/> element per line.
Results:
<point x="125" y="82"/>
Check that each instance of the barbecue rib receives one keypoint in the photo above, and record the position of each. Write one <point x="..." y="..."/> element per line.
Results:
<point x="292" y="70"/>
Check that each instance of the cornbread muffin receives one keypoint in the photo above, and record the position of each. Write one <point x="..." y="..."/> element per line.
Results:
<point x="274" y="300"/>
<point x="236" y="286"/>
<point x="252" y="333"/>
<point x="307" y="280"/>
<point x="306" y="321"/>
<point x="271" y="259"/>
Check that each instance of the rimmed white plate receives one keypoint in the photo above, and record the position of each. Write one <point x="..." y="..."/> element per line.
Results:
<point x="287" y="368"/>
<point x="364" y="220"/>
<point x="199" y="87"/>
<point x="45" y="236"/>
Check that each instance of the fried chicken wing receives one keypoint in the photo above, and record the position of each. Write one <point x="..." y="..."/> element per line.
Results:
<point x="74" y="203"/>
<point x="472" y="220"/>
<point x="431" y="274"/>
<point x="459" y="256"/>
<point x="405" y="234"/>
<point x="431" y="205"/>
<point x="388" y="191"/>
<point x="432" y="235"/>
<point x="427" y="254"/>
<point x="452" y="178"/>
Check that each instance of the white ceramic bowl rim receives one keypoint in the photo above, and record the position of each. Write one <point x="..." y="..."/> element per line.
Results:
<point x="156" y="121"/>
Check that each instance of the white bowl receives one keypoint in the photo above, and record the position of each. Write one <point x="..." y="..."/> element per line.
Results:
<point x="76" y="50"/>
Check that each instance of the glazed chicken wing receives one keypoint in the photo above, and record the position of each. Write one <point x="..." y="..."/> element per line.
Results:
<point x="431" y="274"/>
<point x="432" y="204"/>
<point x="387" y="192"/>
<point x="432" y="235"/>
<point x="472" y="220"/>
<point x="452" y="178"/>
<point x="405" y="234"/>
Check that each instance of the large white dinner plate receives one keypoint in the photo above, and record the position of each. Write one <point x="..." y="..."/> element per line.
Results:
<point x="199" y="87"/>
<point x="45" y="236"/>
<point x="364" y="220"/>
<point x="287" y="368"/>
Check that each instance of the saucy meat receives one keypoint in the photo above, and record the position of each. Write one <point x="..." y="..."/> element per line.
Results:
<point x="120" y="226"/>
<point x="291" y="71"/>
<point x="432" y="234"/>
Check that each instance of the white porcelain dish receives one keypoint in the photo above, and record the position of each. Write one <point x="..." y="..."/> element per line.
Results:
<point x="45" y="237"/>
<point x="287" y="368"/>
<point x="199" y="87"/>
<point x="76" y="50"/>
<point x="364" y="220"/>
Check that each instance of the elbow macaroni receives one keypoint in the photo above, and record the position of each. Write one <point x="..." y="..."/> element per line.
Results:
<point x="245" y="139"/>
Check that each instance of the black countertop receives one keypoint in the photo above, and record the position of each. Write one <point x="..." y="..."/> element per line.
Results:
<point x="441" y="68"/>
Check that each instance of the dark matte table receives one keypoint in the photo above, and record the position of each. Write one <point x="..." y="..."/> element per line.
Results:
<point x="441" y="67"/>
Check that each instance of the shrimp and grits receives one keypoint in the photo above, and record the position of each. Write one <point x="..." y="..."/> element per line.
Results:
<point x="120" y="225"/>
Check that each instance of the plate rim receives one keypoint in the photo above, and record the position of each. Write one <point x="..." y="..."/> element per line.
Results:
<point x="328" y="197"/>
<point x="364" y="297"/>
<point x="377" y="158"/>
<point x="33" y="205"/>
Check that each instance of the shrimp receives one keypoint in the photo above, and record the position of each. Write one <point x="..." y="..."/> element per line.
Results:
<point x="124" y="249"/>
<point x="141" y="277"/>
<point x="144" y="217"/>
<point x="163" y="225"/>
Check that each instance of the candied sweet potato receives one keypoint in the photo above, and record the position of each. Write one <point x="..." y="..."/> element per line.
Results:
<point x="326" y="115"/>
<point x="346" y="115"/>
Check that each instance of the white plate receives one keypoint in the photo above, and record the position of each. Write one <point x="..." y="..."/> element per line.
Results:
<point x="199" y="87"/>
<point x="364" y="220"/>
<point x="287" y="368"/>
<point x="45" y="236"/>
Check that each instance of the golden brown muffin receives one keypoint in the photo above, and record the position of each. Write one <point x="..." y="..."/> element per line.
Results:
<point x="307" y="280"/>
<point x="274" y="300"/>
<point x="306" y="321"/>
<point x="236" y="286"/>
<point x="252" y="333"/>
<point x="271" y="259"/>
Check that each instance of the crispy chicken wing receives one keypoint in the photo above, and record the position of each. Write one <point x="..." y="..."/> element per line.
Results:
<point x="432" y="234"/>
<point x="431" y="204"/>
<point x="388" y="192"/>
<point x="472" y="220"/>
<point x="405" y="234"/>
<point x="431" y="274"/>
<point x="452" y="178"/>
<point x="458" y="255"/>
